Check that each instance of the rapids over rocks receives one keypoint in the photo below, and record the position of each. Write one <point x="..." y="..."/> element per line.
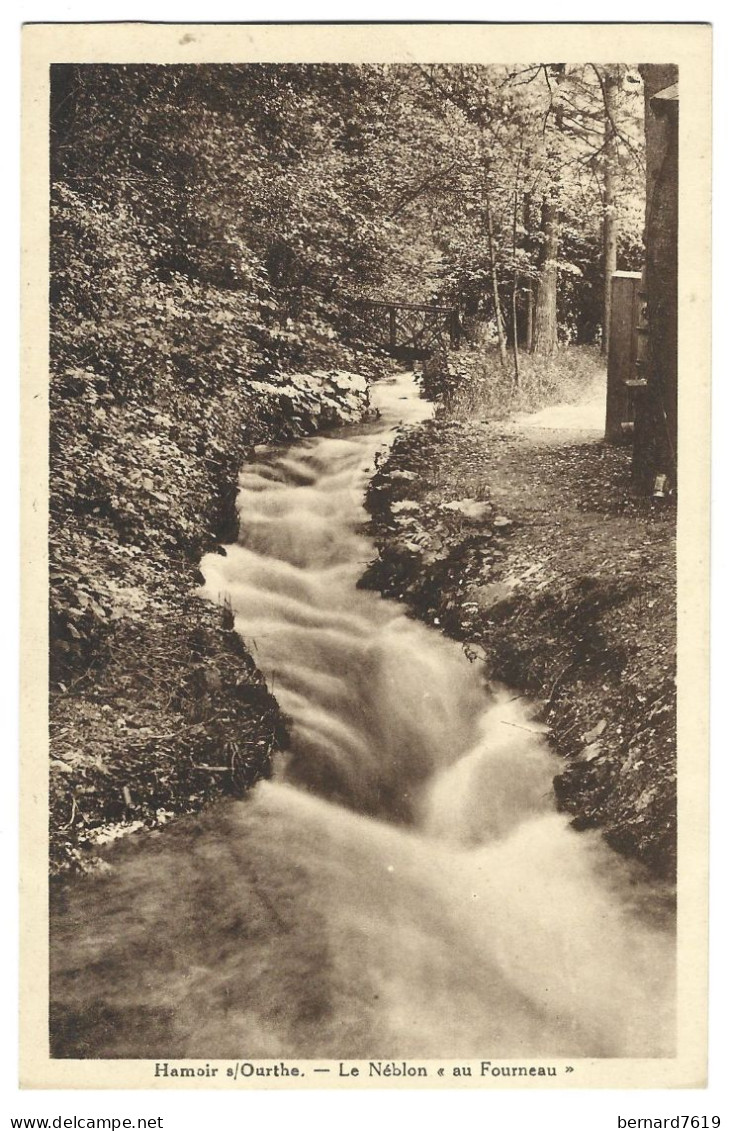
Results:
<point x="404" y="886"/>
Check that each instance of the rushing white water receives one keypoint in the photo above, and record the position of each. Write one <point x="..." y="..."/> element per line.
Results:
<point x="404" y="886"/>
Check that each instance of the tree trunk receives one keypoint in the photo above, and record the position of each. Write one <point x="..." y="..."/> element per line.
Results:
<point x="530" y="318"/>
<point x="610" y="242"/>
<point x="655" y="429"/>
<point x="528" y="305"/>
<point x="545" y="336"/>
<point x="515" y="349"/>
<point x="515" y="279"/>
<point x="501" y="339"/>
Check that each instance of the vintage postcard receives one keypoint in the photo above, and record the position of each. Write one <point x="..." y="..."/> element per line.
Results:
<point x="365" y="555"/>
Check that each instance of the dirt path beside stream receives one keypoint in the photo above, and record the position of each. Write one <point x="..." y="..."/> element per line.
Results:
<point x="522" y="538"/>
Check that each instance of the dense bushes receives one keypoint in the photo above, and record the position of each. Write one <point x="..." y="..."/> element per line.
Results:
<point x="135" y="487"/>
<point x="173" y="322"/>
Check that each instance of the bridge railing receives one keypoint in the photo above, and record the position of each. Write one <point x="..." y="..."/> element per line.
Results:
<point x="449" y="313"/>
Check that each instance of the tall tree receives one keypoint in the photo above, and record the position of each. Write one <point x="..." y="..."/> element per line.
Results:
<point x="529" y="315"/>
<point x="545" y="333"/>
<point x="492" y="246"/>
<point x="609" y="85"/>
<point x="603" y="118"/>
<point x="655" y="433"/>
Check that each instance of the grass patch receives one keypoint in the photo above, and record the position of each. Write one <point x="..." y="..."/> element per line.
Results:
<point x="473" y="384"/>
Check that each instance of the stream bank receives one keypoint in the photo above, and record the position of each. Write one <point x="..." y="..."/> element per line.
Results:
<point x="403" y="883"/>
<point x="156" y="707"/>
<point x="522" y="540"/>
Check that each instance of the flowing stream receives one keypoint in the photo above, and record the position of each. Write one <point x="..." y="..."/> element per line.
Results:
<point x="404" y="886"/>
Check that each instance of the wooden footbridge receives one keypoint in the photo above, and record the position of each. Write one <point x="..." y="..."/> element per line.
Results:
<point x="410" y="331"/>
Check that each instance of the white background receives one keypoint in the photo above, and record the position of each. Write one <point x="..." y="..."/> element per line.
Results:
<point x="577" y="1109"/>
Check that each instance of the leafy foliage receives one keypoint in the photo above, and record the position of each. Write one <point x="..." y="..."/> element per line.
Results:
<point x="213" y="229"/>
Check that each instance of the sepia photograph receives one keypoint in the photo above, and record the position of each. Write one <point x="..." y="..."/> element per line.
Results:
<point x="365" y="448"/>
